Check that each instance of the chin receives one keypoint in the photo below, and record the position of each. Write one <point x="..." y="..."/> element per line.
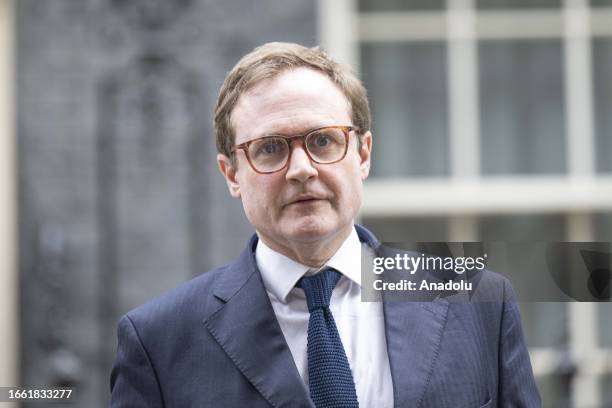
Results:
<point x="310" y="229"/>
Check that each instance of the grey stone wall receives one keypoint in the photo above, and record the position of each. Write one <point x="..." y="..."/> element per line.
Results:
<point x="119" y="194"/>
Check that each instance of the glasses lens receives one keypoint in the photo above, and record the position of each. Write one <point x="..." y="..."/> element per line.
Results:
<point x="269" y="153"/>
<point x="326" y="145"/>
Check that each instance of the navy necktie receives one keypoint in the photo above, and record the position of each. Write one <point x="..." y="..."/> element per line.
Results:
<point x="330" y="380"/>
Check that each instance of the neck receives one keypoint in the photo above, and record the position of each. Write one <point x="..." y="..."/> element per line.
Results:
<point x="313" y="254"/>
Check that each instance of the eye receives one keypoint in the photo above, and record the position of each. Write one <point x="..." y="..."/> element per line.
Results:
<point x="325" y="139"/>
<point x="321" y="140"/>
<point x="271" y="147"/>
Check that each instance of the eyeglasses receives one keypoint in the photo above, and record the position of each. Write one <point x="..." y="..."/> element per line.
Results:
<point x="324" y="145"/>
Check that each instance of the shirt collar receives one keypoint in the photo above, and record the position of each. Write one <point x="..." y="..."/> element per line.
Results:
<point x="280" y="273"/>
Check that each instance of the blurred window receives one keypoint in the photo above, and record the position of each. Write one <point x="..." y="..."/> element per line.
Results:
<point x="606" y="386"/>
<point x="408" y="96"/>
<point x="601" y="3"/>
<point x="404" y="229"/>
<point x="554" y="390"/>
<point x="602" y="86"/>
<point x="603" y="232"/>
<point x="512" y="4"/>
<point x="522" y="107"/>
<point x="400" y="5"/>
<point x="522" y="228"/>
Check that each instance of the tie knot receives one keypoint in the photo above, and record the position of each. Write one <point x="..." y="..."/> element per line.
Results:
<point x="319" y="287"/>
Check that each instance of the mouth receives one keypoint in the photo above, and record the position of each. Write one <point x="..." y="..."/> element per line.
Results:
<point x="306" y="199"/>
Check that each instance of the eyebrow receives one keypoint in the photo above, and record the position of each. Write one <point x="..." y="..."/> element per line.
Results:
<point x="292" y="133"/>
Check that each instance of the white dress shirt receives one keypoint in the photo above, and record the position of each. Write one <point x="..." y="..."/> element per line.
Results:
<point x="360" y="324"/>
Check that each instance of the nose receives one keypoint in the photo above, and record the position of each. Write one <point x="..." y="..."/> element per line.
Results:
<point x="300" y="168"/>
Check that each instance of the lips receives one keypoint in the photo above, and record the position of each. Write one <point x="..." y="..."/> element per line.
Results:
<point x="305" y="199"/>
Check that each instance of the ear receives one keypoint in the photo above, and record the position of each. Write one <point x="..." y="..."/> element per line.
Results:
<point x="365" y="154"/>
<point x="229" y="173"/>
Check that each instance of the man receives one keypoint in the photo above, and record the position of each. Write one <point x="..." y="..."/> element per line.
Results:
<point x="284" y="326"/>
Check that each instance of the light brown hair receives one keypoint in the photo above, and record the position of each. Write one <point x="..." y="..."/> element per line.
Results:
<point x="267" y="61"/>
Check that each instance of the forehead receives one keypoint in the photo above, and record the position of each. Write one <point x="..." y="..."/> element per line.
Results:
<point x="291" y="102"/>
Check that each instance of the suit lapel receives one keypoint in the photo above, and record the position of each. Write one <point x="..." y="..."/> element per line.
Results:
<point x="414" y="332"/>
<point x="245" y="326"/>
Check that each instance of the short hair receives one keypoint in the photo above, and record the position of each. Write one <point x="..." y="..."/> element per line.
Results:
<point x="269" y="60"/>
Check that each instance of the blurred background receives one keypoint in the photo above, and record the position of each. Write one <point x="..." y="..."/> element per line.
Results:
<point x="492" y="120"/>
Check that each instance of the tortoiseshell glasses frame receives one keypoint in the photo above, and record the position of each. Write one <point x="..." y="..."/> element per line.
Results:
<point x="275" y="142"/>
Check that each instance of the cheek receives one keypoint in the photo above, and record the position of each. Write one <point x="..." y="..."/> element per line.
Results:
<point x="355" y="189"/>
<point x="347" y="188"/>
<point x="354" y="193"/>
<point x="258" y="194"/>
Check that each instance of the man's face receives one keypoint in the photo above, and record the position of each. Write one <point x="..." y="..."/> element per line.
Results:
<point x="306" y="203"/>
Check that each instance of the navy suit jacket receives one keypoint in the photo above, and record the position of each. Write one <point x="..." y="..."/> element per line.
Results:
<point x="215" y="342"/>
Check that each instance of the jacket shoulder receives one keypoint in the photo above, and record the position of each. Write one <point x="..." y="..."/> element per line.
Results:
<point x="493" y="287"/>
